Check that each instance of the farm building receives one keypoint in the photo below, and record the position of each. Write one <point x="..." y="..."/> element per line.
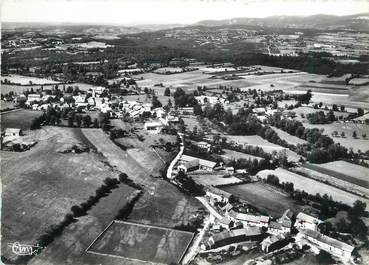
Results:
<point x="153" y="127"/>
<point x="203" y="145"/>
<point x="305" y="221"/>
<point x="282" y="225"/>
<point x="189" y="166"/>
<point x="12" y="132"/>
<point x="249" y="220"/>
<point x="203" y="164"/>
<point x="217" y="194"/>
<point x="33" y="98"/>
<point x="273" y="243"/>
<point x="331" y="245"/>
<point x="235" y="236"/>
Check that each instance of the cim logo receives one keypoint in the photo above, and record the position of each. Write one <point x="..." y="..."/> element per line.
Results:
<point x="25" y="250"/>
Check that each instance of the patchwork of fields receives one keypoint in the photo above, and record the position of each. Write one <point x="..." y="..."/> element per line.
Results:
<point x="139" y="242"/>
<point x="312" y="186"/>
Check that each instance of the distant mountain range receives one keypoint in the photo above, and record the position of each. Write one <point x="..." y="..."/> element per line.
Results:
<point x="325" y="22"/>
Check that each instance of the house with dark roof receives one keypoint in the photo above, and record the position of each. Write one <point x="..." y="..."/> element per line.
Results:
<point x="235" y="236"/>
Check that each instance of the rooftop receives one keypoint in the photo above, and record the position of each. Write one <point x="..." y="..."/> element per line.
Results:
<point x="328" y="240"/>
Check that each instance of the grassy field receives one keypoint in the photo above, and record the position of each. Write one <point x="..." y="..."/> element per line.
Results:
<point x="25" y="80"/>
<point x="348" y="128"/>
<point x="264" y="197"/>
<point x="142" y="242"/>
<point x="312" y="186"/>
<point x="70" y="247"/>
<point x="21" y="119"/>
<point x="40" y="185"/>
<point x="347" y="171"/>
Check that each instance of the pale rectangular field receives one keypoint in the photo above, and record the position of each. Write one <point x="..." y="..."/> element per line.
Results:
<point x="139" y="242"/>
<point x="264" y="197"/>
<point x="312" y="186"/>
<point x="215" y="180"/>
<point x="349" y="169"/>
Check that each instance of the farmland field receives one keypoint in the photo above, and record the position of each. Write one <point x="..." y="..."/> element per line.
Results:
<point x="312" y="186"/>
<point x="25" y="80"/>
<point x="142" y="242"/>
<point x="21" y="119"/>
<point x="353" y="172"/>
<point x="39" y="186"/>
<point x="264" y="197"/>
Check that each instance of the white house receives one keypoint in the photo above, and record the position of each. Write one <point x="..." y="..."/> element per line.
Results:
<point x="305" y="221"/>
<point x="250" y="220"/>
<point x="33" y="98"/>
<point x="203" y="164"/>
<point x="217" y="194"/>
<point x="203" y="145"/>
<point x="153" y="127"/>
<point x="12" y="132"/>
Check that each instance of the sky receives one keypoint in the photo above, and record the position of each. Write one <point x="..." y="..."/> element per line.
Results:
<point x="135" y="12"/>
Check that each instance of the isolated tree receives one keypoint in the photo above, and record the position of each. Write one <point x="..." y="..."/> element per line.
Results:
<point x="342" y="108"/>
<point x="96" y="123"/>
<point x="342" y="134"/>
<point x="86" y="121"/>
<point x="354" y="134"/>
<point x="360" y="112"/>
<point x="167" y="92"/>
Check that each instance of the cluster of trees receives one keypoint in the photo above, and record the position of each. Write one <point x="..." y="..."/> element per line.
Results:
<point x="51" y="116"/>
<point x="319" y="117"/>
<point x="54" y="116"/>
<point x="353" y="224"/>
<point x="189" y="185"/>
<point x="253" y="166"/>
<point x="321" y="147"/>
<point x="182" y="99"/>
